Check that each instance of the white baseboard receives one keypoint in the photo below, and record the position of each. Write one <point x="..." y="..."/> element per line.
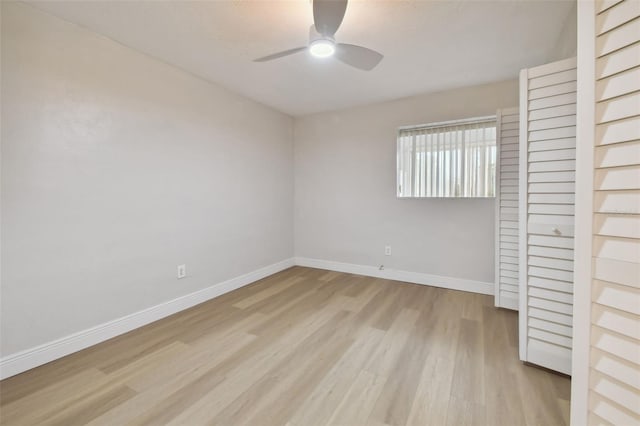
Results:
<point x="393" y="274"/>
<point x="30" y="358"/>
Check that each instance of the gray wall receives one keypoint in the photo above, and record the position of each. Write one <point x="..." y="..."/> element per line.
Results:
<point x="346" y="208"/>
<point x="567" y="43"/>
<point x="115" y="169"/>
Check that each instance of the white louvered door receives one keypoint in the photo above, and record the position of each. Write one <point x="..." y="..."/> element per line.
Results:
<point x="507" y="132"/>
<point x="614" y="395"/>
<point x="546" y="209"/>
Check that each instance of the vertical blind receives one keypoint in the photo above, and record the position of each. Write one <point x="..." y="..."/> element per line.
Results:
<point x="454" y="159"/>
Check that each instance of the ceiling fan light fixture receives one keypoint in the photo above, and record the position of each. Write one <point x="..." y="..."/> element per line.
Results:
<point x="327" y="18"/>
<point x="322" y="48"/>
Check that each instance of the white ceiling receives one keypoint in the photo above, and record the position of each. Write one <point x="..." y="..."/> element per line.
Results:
<point x="428" y="45"/>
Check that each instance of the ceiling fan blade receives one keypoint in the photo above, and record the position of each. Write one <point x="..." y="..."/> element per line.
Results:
<point x="358" y="56"/>
<point x="280" y="54"/>
<point x="328" y="15"/>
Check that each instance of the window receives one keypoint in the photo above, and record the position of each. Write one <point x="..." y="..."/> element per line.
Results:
<point x="451" y="159"/>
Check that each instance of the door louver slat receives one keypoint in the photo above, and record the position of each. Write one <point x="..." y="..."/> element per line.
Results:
<point x="507" y="183"/>
<point x="546" y="209"/>
<point x="614" y="364"/>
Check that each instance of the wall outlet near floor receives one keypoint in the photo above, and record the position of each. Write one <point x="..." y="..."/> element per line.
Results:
<point x="182" y="271"/>
<point x="387" y="250"/>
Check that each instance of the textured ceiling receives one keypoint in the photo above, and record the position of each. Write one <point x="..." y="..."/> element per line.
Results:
<point x="428" y="45"/>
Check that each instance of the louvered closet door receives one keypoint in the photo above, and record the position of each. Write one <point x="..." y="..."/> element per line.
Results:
<point x="506" y="286"/>
<point x="615" y="315"/>
<point x="547" y="197"/>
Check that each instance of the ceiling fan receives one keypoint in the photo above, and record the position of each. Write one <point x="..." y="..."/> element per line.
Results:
<point x="327" y="17"/>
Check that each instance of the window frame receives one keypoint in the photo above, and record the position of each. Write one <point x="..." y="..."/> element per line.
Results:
<point x="442" y="124"/>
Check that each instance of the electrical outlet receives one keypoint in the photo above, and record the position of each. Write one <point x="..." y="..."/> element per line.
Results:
<point x="387" y="250"/>
<point x="182" y="271"/>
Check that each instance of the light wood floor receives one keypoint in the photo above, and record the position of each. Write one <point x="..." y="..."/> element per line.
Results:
<point x="303" y="347"/>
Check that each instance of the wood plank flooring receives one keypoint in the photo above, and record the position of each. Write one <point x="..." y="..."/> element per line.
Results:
<point x="303" y="347"/>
